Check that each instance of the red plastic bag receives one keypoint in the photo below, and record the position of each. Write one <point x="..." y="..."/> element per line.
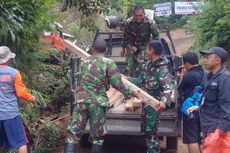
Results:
<point x="217" y="142"/>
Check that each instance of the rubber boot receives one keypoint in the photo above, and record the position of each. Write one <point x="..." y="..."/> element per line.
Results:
<point x="70" y="148"/>
<point x="96" y="148"/>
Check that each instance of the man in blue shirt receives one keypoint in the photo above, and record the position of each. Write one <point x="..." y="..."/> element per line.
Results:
<point x="215" y="109"/>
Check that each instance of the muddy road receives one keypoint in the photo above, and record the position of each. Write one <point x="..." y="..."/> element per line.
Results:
<point x="127" y="144"/>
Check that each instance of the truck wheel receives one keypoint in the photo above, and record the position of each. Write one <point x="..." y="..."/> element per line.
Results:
<point x="171" y="142"/>
<point x="84" y="141"/>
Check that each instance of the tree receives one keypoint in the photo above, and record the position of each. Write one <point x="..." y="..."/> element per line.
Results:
<point x="212" y="26"/>
<point x="21" y="21"/>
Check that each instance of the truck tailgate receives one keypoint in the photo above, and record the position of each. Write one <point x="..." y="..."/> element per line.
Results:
<point x="120" y="122"/>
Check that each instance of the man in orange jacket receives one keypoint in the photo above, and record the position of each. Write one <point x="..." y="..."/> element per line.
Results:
<point x="12" y="133"/>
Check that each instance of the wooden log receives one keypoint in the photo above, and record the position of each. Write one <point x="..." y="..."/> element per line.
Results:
<point x="111" y="92"/>
<point x="138" y="110"/>
<point x="137" y="103"/>
<point x="129" y="106"/>
<point x="146" y="98"/>
<point x="75" y="49"/>
<point x="116" y="98"/>
<point x="119" y="101"/>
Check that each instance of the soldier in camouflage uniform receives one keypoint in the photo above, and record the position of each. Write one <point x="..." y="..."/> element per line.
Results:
<point x="139" y="30"/>
<point x="155" y="80"/>
<point x="97" y="74"/>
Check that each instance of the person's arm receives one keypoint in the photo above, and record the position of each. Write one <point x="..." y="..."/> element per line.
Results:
<point x="137" y="81"/>
<point x="183" y="83"/>
<point x="126" y="39"/>
<point x="224" y="102"/>
<point x="126" y="35"/>
<point x="165" y="84"/>
<point x="116" y="82"/>
<point x="153" y="30"/>
<point x="20" y="88"/>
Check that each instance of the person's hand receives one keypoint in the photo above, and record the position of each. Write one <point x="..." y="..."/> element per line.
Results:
<point x="160" y="106"/>
<point x="181" y="73"/>
<point x="136" y="94"/>
<point x="123" y="52"/>
<point x="192" y="109"/>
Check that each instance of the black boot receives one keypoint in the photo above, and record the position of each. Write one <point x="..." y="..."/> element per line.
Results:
<point x="70" y="148"/>
<point x="96" y="148"/>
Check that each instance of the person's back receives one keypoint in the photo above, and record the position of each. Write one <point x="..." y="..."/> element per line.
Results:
<point x="8" y="100"/>
<point x="97" y="74"/>
<point x="192" y="78"/>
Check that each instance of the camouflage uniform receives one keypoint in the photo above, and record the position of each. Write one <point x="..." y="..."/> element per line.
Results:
<point x="97" y="74"/>
<point x="136" y="38"/>
<point x="155" y="80"/>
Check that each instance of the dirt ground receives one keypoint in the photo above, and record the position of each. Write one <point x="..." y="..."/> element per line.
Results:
<point x="182" y="41"/>
<point x="126" y="144"/>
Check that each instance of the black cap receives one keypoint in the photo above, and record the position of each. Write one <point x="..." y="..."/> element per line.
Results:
<point x="222" y="53"/>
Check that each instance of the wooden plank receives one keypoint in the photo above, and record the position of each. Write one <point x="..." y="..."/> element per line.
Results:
<point x="115" y="98"/>
<point x="75" y="49"/>
<point x="119" y="101"/>
<point x="146" y="98"/>
<point x="129" y="105"/>
<point x="111" y="92"/>
<point x="137" y="103"/>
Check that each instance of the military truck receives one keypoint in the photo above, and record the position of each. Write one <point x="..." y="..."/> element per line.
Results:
<point x="121" y="123"/>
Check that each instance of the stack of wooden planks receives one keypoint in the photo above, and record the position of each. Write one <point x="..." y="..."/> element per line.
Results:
<point x="115" y="97"/>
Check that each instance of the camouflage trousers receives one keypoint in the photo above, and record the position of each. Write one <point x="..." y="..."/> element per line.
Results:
<point x="96" y="115"/>
<point x="135" y="62"/>
<point x="149" y="125"/>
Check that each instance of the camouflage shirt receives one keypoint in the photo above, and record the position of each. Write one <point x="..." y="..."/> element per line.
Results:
<point x="139" y="34"/>
<point x="97" y="74"/>
<point x="155" y="80"/>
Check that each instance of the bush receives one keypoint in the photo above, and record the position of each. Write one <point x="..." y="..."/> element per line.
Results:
<point x="47" y="138"/>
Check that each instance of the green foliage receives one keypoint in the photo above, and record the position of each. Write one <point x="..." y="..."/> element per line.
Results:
<point x="83" y="36"/>
<point x="212" y="26"/>
<point x="50" y="76"/>
<point x="21" y="22"/>
<point x="171" y="22"/>
<point x="47" y="139"/>
<point x="29" y="113"/>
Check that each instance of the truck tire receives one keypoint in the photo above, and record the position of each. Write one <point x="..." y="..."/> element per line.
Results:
<point x="84" y="142"/>
<point x="172" y="142"/>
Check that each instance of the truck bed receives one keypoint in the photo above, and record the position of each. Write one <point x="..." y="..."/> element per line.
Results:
<point x="120" y="122"/>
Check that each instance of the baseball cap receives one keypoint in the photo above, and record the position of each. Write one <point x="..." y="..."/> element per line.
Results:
<point x="5" y="54"/>
<point x="222" y="53"/>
